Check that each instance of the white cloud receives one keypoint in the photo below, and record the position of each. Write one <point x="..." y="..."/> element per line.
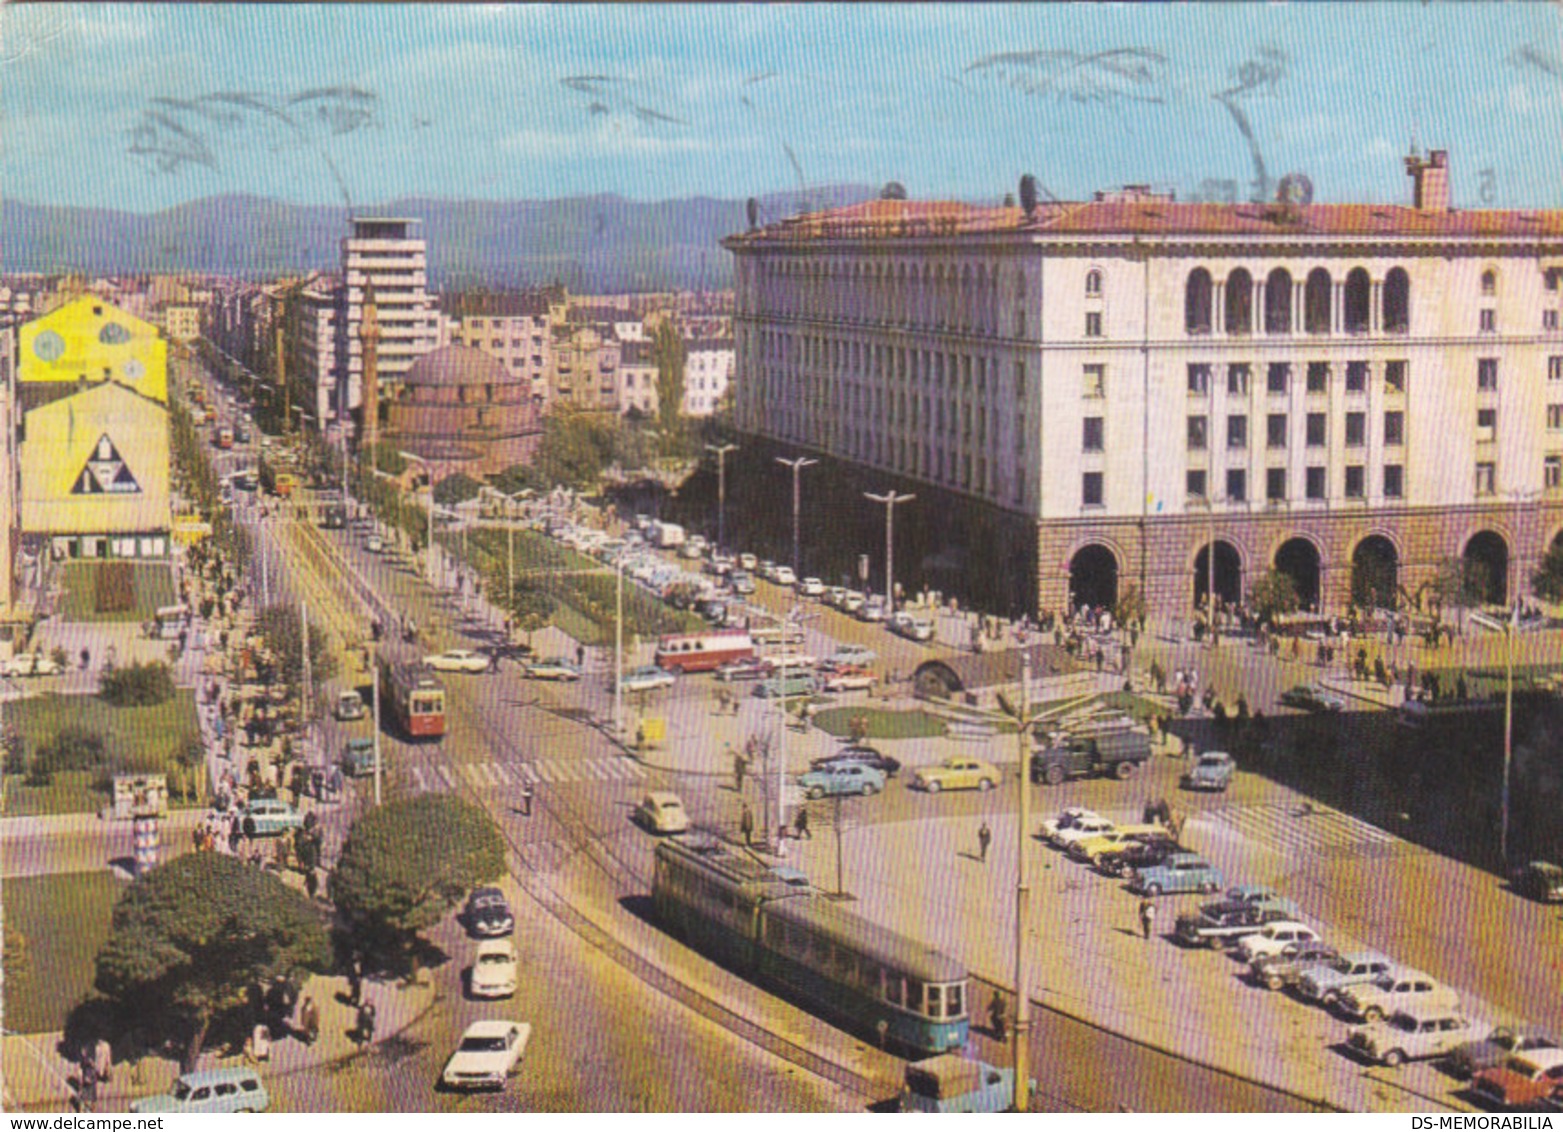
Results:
<point x="613" y="137"/>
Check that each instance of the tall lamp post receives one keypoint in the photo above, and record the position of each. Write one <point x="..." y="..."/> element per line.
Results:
<point x="1209" y="503"/>
<point x="510" y="547"/>
<point x="721" y="451"/>
<point x="1509" y="627"/>
<point x="889" y="499"/>
<point x="797" y="465"/>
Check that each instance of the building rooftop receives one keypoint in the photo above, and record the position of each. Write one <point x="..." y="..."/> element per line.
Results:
<point x="700" y="345"/>
<point x="499" y="305"/>
<point x="636" y="354"/>
<point x="457" y="365"/>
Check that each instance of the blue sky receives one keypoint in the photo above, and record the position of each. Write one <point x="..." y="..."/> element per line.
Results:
<point x="141" y="107"/>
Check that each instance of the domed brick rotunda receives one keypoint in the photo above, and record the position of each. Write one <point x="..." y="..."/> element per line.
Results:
<point x="460" y="410"/>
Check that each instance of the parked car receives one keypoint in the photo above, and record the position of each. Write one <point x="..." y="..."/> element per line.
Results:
<point x="32" y="664"/>
<point x="374" y="544"/>
<point x="766" y="569"/>
<point x="741" y="582"/>
<point x="1284" y="969"/>
<point x="493" y="970"/>
<point x="646" y="678"/>
<point x="1413" y="1034"/>
<point x="869" y="756"/>
<point x="269" y="817"/>
<point x="487" y="1054"/>
<point x="1083" y="829"/>
<point x="957" y="772"/>
<point x="850" y="680"/>
<point x="918" y="629"/>
<point x="1311" y="697"/>
<point x="210" y="1090"/>
<point x="1221" y="924"/>
<point x="792" y="684"/>
<point x="750" y="668"/>
<point x="358" y="757"/>
<point x="954" y="1083"/>
<point x="842" y="778"/>
<point x="457" y="660"/>
<point x="874" y="609"/>
<point x="833" y="595"/>
<point x="1523" y="1079"/>
<point x="1497" y="1047"/>
<point x="551" y="668"/>
<point x="1392" y="991"/>
<point x="1140" y="853"/>
<point x="1540" y="880"/>
<point x="1213" y="771"/>
<point x="1181" y="872"/>
<point x="851" y="602"/>
<point x="747" y="561"/>
<point x="1274" y="939"/>
<point x="661" y="811"/>
<point x="1089" y="849"/>
<point x="488" y="913"/>
<point x="1326" y="983"/>
<point x="850" y="655"/>
<point x="783" y="576"/>
<point x="1115" y="753"/>
<point x="1067" y="819"/>
<point x="811" y="587"/>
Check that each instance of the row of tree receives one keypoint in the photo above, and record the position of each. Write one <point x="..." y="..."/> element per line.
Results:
<point x="192" y="939"/>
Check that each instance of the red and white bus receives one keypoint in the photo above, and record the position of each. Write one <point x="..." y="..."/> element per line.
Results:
<point x="702" y="652"/>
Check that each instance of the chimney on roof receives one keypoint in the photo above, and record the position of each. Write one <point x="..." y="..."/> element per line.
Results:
<point x="1430" y="181"/>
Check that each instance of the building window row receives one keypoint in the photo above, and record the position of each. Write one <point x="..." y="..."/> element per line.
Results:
<point x="1278" y="377"/>
<point x="1353" y="485"/>
<point x="1240" y="306"/>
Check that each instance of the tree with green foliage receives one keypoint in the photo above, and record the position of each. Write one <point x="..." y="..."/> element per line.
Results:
<point x="1547" y="581"/>
<point x="1373" y="583"/>
<point x="279" y="628"/>
<point x="1130" y="606"/>
<point x="531" y="610"/>
<point x="137" y="685"/>
<point x="1459" y="583"/>
<point x="576" y="446"/>
<point x="517" y="478"/>
<point x="669" y="354"/>
<point x="191" y="937"/>
<point x="456" y="488"/>
<point x="1273" y="595"/>
<point x="406" y="864"/>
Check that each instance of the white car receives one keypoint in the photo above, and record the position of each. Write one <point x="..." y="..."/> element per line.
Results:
<point x="487" y="1054"/>
<point x="852" y="601"/>
<point x="783" y="576"/>
<point x="493" y="970"/>
<point x="851" y="680"/>
<point x="662" y="812"/>
<point x="792" y="660"/>
<point x="834" y="594"/>
<point x="1274" y="939"/>
<point x="748" y="562"/>
<point x="457" y="660"/>
<point x="1393" y="991"/>
<point x="912" y="628"/>
<point x="31" y="664"/>
<point x="874" y="609"/>
<point x="1084" y="830"/>
<point x="375" y="544"/>
<point x="811" y="587"/>
<point x="1414" y="1033"/>
<point x="646" y="678"/>
<point x="1067" y="819"/>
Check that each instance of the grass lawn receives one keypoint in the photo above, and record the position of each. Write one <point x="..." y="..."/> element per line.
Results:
<point x="1484" y="680"/>
<point x="64" y="919"/>
<point x="881" y="724"/>
<point x="143" y="739"/>
<point x="154" y="586"/>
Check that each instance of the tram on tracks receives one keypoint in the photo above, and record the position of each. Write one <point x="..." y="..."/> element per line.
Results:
<point x="416" y="699"/>
<point x="846" y="968"/>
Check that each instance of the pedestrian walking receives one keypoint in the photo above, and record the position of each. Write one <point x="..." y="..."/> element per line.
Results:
<point x="526" y="799"/>
<point x="311" y="883"/>
<point x="740" y="765"/>
<point x="89" y="1082"/>
<point x="86" y="659"/>
<point x="998" y="1016"/>
<point x="800" y="825"/>
<point x="984" y="839"/>
<point x="103" y="1059"/>
<point x="1147" y="917"/>
<point x="746" y="824"/>
<point x="309" y="1020"/>
<point x="580" y="656"/>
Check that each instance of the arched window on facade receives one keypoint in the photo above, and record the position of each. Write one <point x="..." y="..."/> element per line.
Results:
<point x="1357" y="302"/>
<point x="1196" y="302"/>
<point x="1278" y="302"/>
<point x="1240" y="302"/>
<point x="1397" y="301"/>
<point x="1093" y="283"/>
<point x="1489" y="282"/>
<point x="1316" y="302"/>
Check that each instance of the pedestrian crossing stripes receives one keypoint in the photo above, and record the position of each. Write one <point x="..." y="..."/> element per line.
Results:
<point x="490" y="775"/>
<point x="1295" y="828"/>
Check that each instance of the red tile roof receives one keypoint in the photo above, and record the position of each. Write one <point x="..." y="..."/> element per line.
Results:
<point x="882" y="219"/>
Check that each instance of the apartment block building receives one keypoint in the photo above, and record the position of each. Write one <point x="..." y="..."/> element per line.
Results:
<point x="383" y="254"/>
<point x="1136" y="390"/>
<point x="515" y="329"/>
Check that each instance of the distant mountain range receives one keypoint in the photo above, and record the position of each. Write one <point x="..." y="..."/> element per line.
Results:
<point x="591" y="244"/>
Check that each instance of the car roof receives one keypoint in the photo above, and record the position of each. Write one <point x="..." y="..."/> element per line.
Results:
<point x="1286" y="925"/>
<point x="663" y="798"/>
<point x="493" y="1028"/>
<point x="202" y="1077"/>
<point x="496" y="947"/>
<point x="1541" y="1058"/>
<point x="486" y="890"/>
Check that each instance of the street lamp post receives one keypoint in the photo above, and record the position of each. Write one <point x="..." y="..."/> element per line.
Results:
<point x="618" y="648"/>
<point x="510" y="547"/>
<point x="889" y="499"/>
<point x="429" y="549"/>
<point x="797" y="465"/>
<point x="721" y="451"/>
<point x="1210" y="566"/>
<point x="1023" y="896"/>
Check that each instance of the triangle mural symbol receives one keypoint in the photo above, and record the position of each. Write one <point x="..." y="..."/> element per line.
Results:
<point x="105" y="472"/>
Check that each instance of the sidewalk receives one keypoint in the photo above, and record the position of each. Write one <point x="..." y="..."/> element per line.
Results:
<point x="36" y="1075"/>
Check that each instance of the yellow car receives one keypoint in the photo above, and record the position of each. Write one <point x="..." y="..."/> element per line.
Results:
<point x="958" y="772"/>
<point x="1098" y="849"/>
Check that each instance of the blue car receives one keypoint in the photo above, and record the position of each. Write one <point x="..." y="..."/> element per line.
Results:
<point x="843" y="778"/>
<point x="1181" y="872"/>
<point x="1213" y="771"/>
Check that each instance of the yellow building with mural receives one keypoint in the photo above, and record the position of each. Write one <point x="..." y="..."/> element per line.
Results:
<point x="95" y="468"/>
<point x="90" y="339"/>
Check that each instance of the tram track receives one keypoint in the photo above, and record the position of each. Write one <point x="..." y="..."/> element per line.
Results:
<point x="1187" y="1077"/>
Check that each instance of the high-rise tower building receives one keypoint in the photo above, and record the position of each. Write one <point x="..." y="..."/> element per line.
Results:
<point x="381" y="253"/>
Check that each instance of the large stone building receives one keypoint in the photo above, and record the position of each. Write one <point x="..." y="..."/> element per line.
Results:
<point x="637" y="377"/>
<point x="708" y="373"/>
<point x="314" y="349"/>
<point x="382" y="253"/>
<point x="461" y="411"/>
<point x="583" y="367"/>
<point x="1103" y="390"/>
